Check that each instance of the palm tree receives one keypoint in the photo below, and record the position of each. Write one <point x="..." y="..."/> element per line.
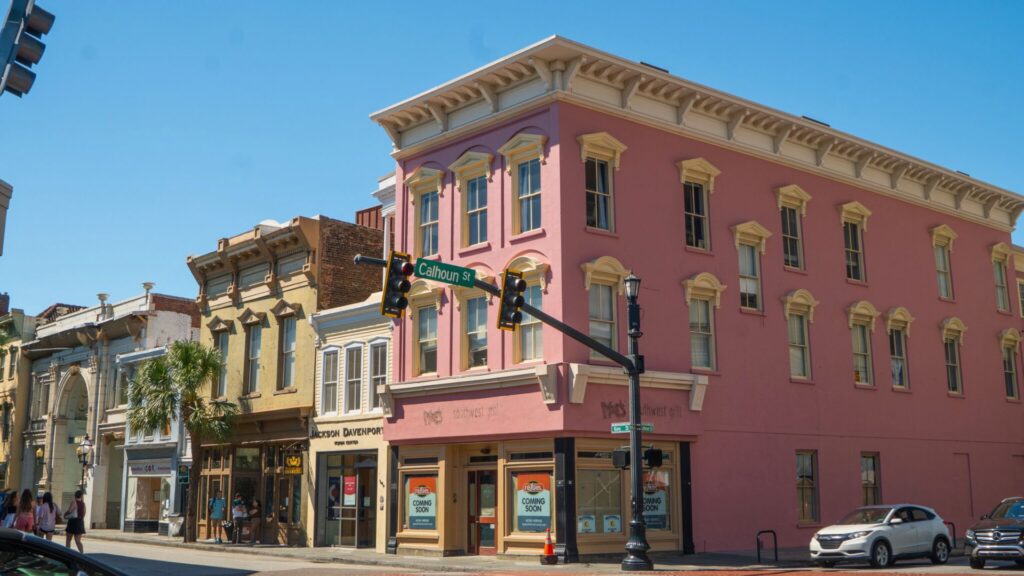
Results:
<point x="179" y="383"/>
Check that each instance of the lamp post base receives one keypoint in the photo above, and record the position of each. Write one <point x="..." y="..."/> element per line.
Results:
<point x="636" y="559"/>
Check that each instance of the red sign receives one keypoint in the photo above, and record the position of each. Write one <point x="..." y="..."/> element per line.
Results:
<point x="349" y="491"/>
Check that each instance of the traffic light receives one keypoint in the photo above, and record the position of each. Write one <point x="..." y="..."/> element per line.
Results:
<point x="512" y="287"/>
<point x="654" y="457"/>
<point x="396" y="285"/>
<point x="21" y="46"/>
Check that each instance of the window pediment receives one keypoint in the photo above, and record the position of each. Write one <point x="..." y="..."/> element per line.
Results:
<point x="425" y="179"/>
<point x="601" y="145"/>
<point x="218" y="324"/>
<point x="704" y="286"/>
<point x="700" y="171"/>
<point x="248" y="317"/>
<point x="953" y="328"/>
<point x="533" y="271"/>
<point x="283" y="308"/>
<point x="864" y="313"/>
<point x="471" y="165"/>
<point x="794" y="197"/>
<point x="751" y="233"/>
<point x="604" y="270"/>
<point x="799" y="302"/>
<point x="854" y="212"/>
<point x="943" y="235"/>
<point x="898" y="318"/>
<point x="522" y="147"/>
<point x="423" y="293"/>
<point x="1000" y="252"/>
<point x="1010" y="338"/>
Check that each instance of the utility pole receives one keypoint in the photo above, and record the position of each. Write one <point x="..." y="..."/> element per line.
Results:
<point x="6" y="191"/>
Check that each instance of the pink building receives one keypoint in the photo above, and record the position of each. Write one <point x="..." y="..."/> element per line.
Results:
<point x="827" y="322"/>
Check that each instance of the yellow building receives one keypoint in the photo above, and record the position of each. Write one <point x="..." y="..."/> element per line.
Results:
<point x="15" y="327"/>
<point x="257" y="292"/>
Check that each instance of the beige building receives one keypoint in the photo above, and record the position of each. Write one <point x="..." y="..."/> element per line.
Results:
<point x="346" y="446"/>
<point x="15" y="328"/>
<point x="257" y="292"/>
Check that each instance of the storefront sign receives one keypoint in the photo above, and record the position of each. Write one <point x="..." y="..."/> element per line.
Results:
<point x="422" y="502"/>
<point x="150" y="468"/>
<point x="183" y="473"/>
<point x="655" y="502"/>
<point x="586" y="524"/>
<point x="293" y="464"/>
<point x="612" y="523"/>
<point x="350" y="491"/>
<point x="533" y="502"/>
<point x="346" y="432"/>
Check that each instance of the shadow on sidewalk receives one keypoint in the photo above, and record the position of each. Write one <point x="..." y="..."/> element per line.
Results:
<point x="133" y="565"/>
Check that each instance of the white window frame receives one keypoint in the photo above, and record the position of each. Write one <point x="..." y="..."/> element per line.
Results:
<point x="944" y="271"/>
<point x="467" y="362"/>
<point x="530" y="326"/>
<point x="1010" y="372"/>
<point x="347" y="408"/>
<point x="956" y="365"/>
<point x="856" y="253"/>
<point x="612" y="322"/>
<point x="1002" y="286"/>
<point x="788" y="237"/>
<point x="608" y="194"/>
<point x="284" y="353"/>
<point x="899" y="335"/>
<point x="374" y="400"/>
<point x="695" y="305"/>
<point x="419" y="341"/>
<point x="804" y="348"/>
<point x="521" y="200"/>
<point x="864" y="331"/>
<point x="746" y="280"/>
<point x="473" y="187"/>
<point x="691" y="216"/>
<point x="337" y="351"/>
<point x="223" y="347"/>
<point x="251" y="377"/>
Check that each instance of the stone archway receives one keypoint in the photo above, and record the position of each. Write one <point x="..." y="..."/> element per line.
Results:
<point x="70" y="425"/>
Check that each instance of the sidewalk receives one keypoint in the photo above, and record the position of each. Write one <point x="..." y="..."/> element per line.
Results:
<point x="788" y="558"/>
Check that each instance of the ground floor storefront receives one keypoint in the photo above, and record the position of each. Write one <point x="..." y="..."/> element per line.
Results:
<point x="151" y="494"/>
<point x="350" y="463"/>
<point x="502" y="497"/>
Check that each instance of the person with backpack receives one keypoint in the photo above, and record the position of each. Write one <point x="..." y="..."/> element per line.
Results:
<point x="75" y="515"/>
<point x="26" y="514"/>
<point x="47" y="516"/>
<point x="216" y="508"/>
<point x="238" y="514"/>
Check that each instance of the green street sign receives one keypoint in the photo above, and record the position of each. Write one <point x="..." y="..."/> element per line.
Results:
<point x="624" y="428"/>
<point x="447" y="273"/>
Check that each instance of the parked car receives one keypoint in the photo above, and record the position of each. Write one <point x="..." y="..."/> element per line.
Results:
<point x="26" y="555"/>
<point x="998" y="536"/>
<point x="882" y="535"/>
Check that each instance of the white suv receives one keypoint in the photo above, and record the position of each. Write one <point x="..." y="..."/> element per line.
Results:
<point x="881" y="535"/>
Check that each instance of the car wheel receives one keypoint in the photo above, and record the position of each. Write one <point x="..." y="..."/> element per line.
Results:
<point x="881" y="555"/>
<point x="827" y="564"/>
<point x="940" y="551"/>
<point x="977" y="563"/>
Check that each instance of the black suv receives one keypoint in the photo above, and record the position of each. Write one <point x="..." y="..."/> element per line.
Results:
<point x="999" y="535"/>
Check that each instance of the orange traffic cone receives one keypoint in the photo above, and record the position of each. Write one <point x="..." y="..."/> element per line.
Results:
<point x="549" y="551"/>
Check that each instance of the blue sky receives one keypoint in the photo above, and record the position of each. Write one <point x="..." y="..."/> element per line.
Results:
<point x="157" y="127"/>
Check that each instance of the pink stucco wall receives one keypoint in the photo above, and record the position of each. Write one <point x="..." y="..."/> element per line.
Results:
<point x="754" y="417"/>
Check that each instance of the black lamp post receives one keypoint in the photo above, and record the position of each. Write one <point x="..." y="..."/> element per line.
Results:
<point x="636" y="547"/>
<point x="84" y="451"/>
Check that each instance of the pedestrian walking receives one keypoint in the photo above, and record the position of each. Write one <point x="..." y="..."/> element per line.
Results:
<point x="26" y="518"/>
<point x="75" y="515"/>
<point x="216" y="508"/>
<point x="238" y="514"/>
<point x="10" y="509"/>
<point x="47" y="515"/>
<point x="255" y="521"/>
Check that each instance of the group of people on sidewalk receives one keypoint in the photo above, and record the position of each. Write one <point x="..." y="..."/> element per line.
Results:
<point x="243" y="514"/>
<point x="40" y="516"/>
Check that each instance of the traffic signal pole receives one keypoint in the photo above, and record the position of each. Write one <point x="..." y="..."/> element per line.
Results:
<point x="636" y="547"/>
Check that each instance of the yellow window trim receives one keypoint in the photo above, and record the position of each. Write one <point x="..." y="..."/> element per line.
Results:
<point x="793" y="196"/>
<point x="533" y="271"/>
<point x="953" y="328"/>
<point x="751" y="233"/>
<point x="899" y="318"/>
<point x="1000" y="252"/>
<point x="523" y="147"/>
<point x="470" y="166"/>
<point x="698" y="171"/>
<point x="1010" y="338"/>
<point x="855" y="213"/>
<point x="799" y="301"/>
<point x="604" y="270"/>
<point x="943" y="235"/>
<point x="601" y="146"/>
<point x="704" y="286"/>
<point x="863" y="313"/>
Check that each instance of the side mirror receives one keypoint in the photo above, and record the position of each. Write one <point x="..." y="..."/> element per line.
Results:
<point x="896" y="521"/>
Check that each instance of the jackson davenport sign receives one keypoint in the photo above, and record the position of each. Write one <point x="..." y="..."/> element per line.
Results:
<point x="346" y="432"/>
<point x="533" y="502"/>
<point x="421" y="502"/>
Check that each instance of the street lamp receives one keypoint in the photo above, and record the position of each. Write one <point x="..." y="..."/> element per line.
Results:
<point x="83" y="451"/>
<point x="636" y="547"/>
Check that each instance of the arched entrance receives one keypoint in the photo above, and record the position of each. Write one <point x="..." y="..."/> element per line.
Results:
<point x="70" y="427"/>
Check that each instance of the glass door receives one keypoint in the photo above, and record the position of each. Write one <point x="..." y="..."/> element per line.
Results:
<point x="346" y="497"/>
<point x="483" y="487"/>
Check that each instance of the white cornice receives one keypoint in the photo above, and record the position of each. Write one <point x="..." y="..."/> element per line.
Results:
<point x="560" y="69"/>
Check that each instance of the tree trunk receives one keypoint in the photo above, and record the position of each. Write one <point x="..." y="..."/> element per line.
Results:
<point x="191" y="515"/>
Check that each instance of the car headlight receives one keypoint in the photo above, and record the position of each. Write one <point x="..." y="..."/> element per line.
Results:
<point x="855" y="535"/>
<point x="969" y="535"/>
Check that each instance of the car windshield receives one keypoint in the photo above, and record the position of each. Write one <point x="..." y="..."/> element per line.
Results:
<point x="865" y="516"/>
<point x="1011" y="510"/>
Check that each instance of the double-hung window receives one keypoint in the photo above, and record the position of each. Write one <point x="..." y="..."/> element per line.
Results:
<point x="253" y="343"/>
<point x="870" y="479"/>
<point x="792" y="208"/>
<point x="750" y="277"/>
<point x="599" y="194"/>
<point x="702" y="334"/>
<point x="531" y="346"/>
<point x="952" y="337"/>
<point x="353" y="378"/>
<point x="286" y="356"/>
<point x="799" y="347"/>
<point x="943" y="272"/>
<point x="861" y="354"/>
<point x="602" y="314"/>
<point x="476" y="331"/>
<point x="476" y="211"/>
<point x="855" y="220"/>
<point x="378" y="371"/>
<point x="524" y="154"/>
<point x="222" y="377"/>
<point x="695" y="213"/>
<point x="329" y="380"/>
<point x="425" y="185"/>
<point x="807" y="485"/>
<point x="898" y="358"/>
<point x="1010" y="371"/>
<point x="426" y="339"/>
<point x="428" y="223"/>
<point x="12" y="367"/>
<point x="1002" y="292"/>
<point x="528" y="195"/>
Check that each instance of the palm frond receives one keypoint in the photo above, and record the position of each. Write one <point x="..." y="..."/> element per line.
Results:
<point x="152" y="396"/>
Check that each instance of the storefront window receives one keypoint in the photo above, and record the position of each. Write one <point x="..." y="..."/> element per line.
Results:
<point x="599" y="501"/>
<point x="421" y="502"/>
<point x="657" y="499"/>
<point x="148" y="498"/>
<point x="532" y="502"/>
<point x="247" y="458"/>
